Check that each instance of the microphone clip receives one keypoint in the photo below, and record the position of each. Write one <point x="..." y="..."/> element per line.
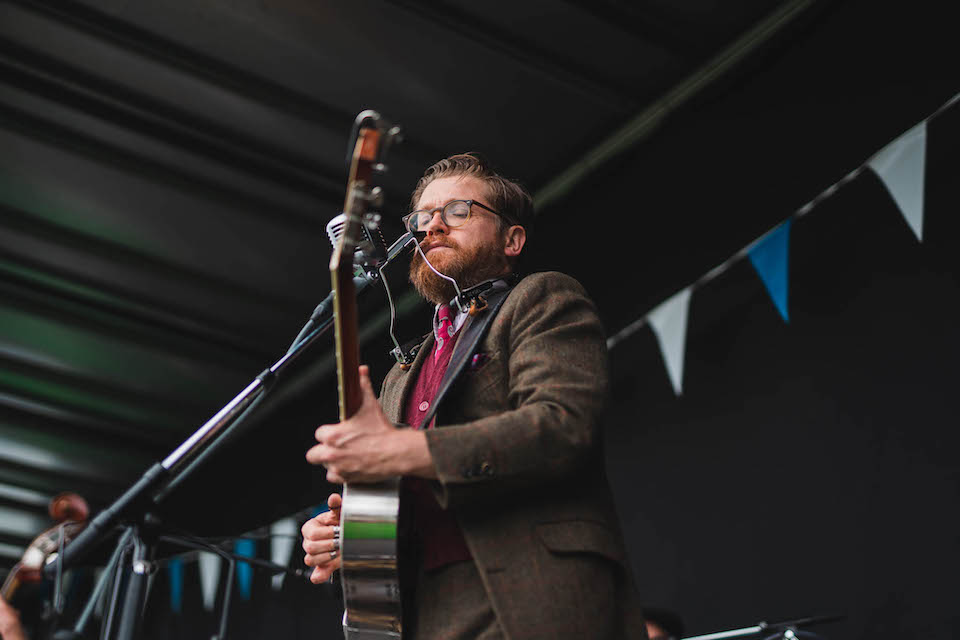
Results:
<point x="406" y="354"/>
<point x="473" y="300"/>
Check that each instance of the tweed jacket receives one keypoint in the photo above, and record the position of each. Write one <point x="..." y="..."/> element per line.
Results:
<point x="516" y="450"/>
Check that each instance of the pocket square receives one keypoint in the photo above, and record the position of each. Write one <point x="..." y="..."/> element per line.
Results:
<point x="478" y="360"/>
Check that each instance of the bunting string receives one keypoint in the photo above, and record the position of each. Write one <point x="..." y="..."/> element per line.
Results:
<point x="900" y="165"/>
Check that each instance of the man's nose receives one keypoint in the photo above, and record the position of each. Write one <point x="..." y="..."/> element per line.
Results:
<point x="436" y="224"/>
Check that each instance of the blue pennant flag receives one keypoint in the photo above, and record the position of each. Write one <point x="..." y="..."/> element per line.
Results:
<point x="769" y="258"/>
<point x="248" y="549"/>
<point x="175" y="566"/>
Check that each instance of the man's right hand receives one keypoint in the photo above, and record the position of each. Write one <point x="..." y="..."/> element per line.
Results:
<point x="321" y="541"/>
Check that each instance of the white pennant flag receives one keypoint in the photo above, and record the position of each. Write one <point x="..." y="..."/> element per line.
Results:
<point x="901" y="167"/>
<point x="283" y="535"/>
<point x="210" y="564"/>
<point x="669" y="323"/>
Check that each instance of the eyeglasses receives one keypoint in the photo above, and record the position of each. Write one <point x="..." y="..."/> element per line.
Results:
<point x="454" y="214"/>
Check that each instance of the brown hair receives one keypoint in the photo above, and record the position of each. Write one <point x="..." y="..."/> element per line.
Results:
<point x="508" y="198"/>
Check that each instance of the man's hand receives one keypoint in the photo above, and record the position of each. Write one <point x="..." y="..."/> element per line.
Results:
<point x="321" y="541"/>
<point x="367" y="447"/>
<point x="10" y="627"/>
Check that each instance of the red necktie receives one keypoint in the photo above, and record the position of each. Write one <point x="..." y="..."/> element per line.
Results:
<point x="445" y="334"/>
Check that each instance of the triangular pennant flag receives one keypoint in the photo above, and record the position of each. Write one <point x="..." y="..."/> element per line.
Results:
<point x="247" y="548"/>
<point x="669" y="323"/>
<point x="283" y="535"/>
<point x="901" y="167"/>
<point x="175" y="567"/>
<point x="769" y="257"/>
<point x="209" y="564"/>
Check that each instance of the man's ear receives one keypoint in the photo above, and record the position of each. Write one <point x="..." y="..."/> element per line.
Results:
<point x="514" y="239"/>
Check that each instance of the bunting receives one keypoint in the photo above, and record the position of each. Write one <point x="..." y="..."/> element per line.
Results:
<point x="901" y="167"/>
<point x="283" y="535"/>
<point x="175" y="569"/>
<point x="248" y="549"/>
<point x="210" y="565"/>
<point x="669" y="322"/>
<point x="769" y="257"/>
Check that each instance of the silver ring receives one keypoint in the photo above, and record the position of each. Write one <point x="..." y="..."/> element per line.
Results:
<point x="336" y="544"/>
<point x="333" y="554"/>
<point x="336" y="531"/>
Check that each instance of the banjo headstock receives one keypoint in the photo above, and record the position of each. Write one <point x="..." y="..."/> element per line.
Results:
<point x="373" y="137"/>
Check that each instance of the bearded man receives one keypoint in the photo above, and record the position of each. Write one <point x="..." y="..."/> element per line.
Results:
<point x="507" y="523"/>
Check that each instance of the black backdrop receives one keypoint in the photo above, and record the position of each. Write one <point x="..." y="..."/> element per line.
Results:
<point x="809" y="467"/>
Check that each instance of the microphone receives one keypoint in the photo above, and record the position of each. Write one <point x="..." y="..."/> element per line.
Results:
<point x="371" y="252"/>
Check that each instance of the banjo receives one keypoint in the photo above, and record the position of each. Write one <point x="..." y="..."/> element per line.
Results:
<point x="368" y="516"/>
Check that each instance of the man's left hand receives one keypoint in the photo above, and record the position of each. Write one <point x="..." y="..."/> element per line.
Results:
<point x="367" y="447"/>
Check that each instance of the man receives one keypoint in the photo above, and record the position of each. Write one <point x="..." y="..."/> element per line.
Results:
<point x="505" y="503"/>
<point x="10" y="626"/>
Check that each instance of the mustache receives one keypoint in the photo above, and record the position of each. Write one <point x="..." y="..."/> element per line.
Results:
<point x="426" y="244"/>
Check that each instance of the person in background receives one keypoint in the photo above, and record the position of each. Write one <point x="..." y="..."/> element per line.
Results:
<point x="10" y="626"/>
<point x="663" y="624"/>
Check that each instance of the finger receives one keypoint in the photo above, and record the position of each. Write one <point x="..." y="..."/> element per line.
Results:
<point x="321" y="454"/>
<point x="322" y="574"/>
<point x="329" y="518"/>
<point x="317" y="530"/>
<point x="334" y="501"/>
<point x="324" y="432"/>
<point x="334" y="477"/>
<point x="316" y="547"/>
<point x="366" y="387"/>
<point x="322" y="559"/>
<point x="314" y="528"/>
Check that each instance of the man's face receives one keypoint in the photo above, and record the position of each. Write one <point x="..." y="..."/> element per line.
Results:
<point x="470" y="253"/>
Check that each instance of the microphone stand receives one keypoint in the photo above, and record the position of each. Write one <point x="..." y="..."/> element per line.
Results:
<point x="133" y="506"/>
<point x="779" y="630"/>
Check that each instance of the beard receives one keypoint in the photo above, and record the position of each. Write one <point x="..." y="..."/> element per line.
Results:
<point x="467" y="266"/>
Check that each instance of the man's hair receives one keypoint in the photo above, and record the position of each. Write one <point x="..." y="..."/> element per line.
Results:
<point x="508" y="198"/>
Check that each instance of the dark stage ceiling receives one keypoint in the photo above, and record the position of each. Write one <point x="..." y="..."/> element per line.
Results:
<point x="167" y="168"/>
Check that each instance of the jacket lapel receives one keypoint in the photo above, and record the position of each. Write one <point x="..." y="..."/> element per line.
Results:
<point x="474" y="331"/>
<point x="394" y="403"/>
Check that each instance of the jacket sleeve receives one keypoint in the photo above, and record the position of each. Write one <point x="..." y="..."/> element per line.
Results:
<point x="556" y="389"/>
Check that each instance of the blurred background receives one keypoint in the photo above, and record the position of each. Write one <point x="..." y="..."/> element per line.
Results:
<point x="167" y="169"/>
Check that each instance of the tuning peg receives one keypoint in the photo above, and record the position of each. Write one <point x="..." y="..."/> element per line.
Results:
<point x="371" y="220"/>
<point x="375" y="197"/>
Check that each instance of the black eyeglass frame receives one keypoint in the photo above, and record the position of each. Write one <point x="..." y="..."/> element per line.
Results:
<point x="443" y="214"/>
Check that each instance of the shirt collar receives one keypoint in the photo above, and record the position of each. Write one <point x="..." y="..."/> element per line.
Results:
<point x="459" y="318"/>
